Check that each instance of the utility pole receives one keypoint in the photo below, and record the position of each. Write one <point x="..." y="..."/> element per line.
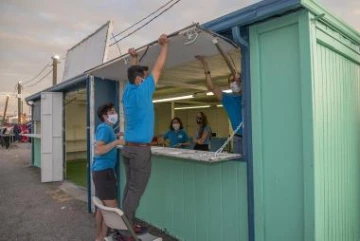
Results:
<point x="22" y="110"/>
<point x="6" y="105"/>
<point x="19" y="102"/>
<point x="55" y="59"/>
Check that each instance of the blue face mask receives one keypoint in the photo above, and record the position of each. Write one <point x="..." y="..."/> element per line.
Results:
<point x="113" y="118"/>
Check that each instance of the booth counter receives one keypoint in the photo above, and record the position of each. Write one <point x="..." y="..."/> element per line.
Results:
<point x="194" y="195"/>
<point x="36" y="139"/>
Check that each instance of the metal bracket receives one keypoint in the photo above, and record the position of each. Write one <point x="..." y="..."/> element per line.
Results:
<point x="226" y="59"/>
<point x="191" y="35"/>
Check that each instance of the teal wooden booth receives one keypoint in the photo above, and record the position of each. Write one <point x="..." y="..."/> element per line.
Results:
<point x="300" y="175"/>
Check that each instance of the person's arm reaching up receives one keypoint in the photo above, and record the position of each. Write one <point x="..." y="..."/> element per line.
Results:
<point x="134" y="56"/>
<point x="161" y="59"/>
<point x="216" y="90"/>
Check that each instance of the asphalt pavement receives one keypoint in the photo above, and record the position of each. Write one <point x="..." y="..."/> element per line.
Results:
<point x="35" y="211"/>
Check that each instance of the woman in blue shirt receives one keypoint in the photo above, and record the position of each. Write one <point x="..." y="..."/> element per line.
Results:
<point x="203" y="133"/>
<point x="177" y="135"/>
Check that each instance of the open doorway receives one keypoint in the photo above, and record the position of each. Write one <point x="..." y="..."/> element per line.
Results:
<point x="75" y="137"/>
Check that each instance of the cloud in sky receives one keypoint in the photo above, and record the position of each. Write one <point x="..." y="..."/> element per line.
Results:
<point x="32" y="31"/>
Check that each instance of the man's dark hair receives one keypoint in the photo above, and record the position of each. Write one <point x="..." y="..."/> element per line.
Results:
<point x="180" y="122"/>
<point x="136" y="70"/>
<point x="103" y="110"/>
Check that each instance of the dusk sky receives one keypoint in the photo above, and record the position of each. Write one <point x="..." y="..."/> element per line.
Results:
<point x="32" y="31"/>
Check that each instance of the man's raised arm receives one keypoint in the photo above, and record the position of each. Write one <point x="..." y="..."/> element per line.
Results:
<point x="161" y="59"/>
<point x="134" y="56"/>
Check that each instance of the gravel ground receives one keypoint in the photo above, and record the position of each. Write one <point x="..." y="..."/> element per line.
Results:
<point x="35" y="211"/>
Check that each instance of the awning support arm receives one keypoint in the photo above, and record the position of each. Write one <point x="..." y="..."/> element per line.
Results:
<point x="226" y="59"/>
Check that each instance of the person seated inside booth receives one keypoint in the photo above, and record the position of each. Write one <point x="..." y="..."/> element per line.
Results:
<point x="176" y="137"/>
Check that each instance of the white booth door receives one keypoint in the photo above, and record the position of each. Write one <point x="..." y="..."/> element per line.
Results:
<point x="51" y="136"/>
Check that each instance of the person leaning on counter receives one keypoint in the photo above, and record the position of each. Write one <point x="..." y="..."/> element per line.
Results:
<point x="176" y="136"/>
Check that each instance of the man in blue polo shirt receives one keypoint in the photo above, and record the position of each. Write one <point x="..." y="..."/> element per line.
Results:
<point x="232" y="103"/>
<point x="139" y="128"/>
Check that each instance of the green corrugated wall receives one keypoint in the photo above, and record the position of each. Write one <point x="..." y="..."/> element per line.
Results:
<point x="306" y="130"/>
<point x="196" y="201"/>
<point x="336" y="136"/>
<point x="279" y="71"/>
<point x="37" y="152"/>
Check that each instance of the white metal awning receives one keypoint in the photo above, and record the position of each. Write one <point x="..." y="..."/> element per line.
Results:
<point x="182" y="72"/>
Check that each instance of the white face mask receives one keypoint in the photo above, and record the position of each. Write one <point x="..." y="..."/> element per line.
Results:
<point x="176" y="126"/>
<point x="235" y="87"/>
<point x="113" y="118"/>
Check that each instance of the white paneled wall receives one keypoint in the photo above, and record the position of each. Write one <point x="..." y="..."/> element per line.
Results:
<point x="51" y="137"/>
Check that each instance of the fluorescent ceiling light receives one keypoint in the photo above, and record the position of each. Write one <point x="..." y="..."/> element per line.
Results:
<point x="185" y="97"/>
<point x="219" y="105"/>
<point x="192" y="107"/>
<point x="225" y="91"/>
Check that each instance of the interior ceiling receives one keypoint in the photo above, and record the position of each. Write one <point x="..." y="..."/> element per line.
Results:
<point x="183" y="74"/>
<point x="184" y="79"/>
<point x="189" y="78"/>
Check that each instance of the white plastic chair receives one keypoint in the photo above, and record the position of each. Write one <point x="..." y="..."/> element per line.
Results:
<point x="115" y="219"/>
